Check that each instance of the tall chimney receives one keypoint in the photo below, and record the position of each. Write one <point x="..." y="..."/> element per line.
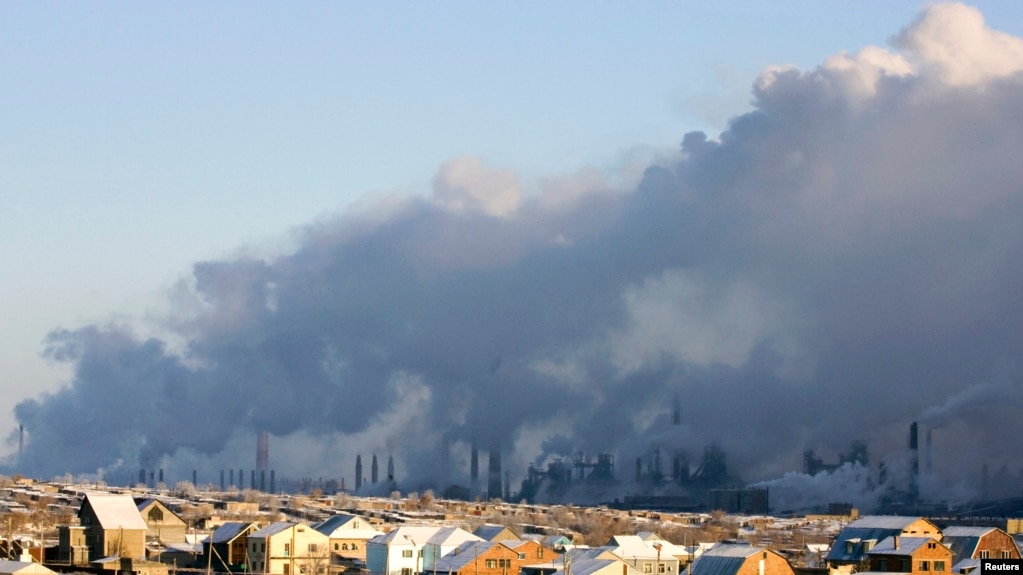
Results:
<point x="273" y="486"/>
<point x="194" y="478"/>
<point x="914" y="463"/>
<point x="222" y="486"/>
<point x="358" y="472"/>
<point x="374" y="472"/>
<point x="263" y="452"/>
<point x="390" y="468"/>
<point x="494" y="477"/>
<point x="928" y="453"/>
<point x="474" y="464"/>
<point x="161" y="476"/>
<point x="142" y="477"/>
<point x="232" y="483"/>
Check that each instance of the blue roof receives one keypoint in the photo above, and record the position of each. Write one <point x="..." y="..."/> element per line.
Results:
<point x="229" y="531"/>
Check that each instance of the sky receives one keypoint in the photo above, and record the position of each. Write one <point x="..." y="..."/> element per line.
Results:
<point x="153" y="157"/>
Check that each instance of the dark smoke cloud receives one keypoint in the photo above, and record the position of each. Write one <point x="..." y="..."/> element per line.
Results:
<point x="839" y="262"/>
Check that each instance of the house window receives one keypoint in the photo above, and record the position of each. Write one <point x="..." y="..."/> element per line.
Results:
<point x="155" y="514"/>
<point x="1006" y="554"/>
<point x="985" y="554"/>
<point x="406" y="553"/>
<point x="539" y="552"/>
<point x="491" y="563"/>
<point x="522" y="556"/>
<point x="504" y="562"/>
<point x="648" y="568"/>
<point x="286" y="570"/>
<point x="939" y="565"/>
<point x="660" y="567"/>
<point x="904" y="565"/>
<point x="882" y="564"/>
<point x="355" y="524"/>
<point x="406" y="571"/>
<point x="313" y="548"/>
<point x="262" y="547"/>
<point x="354" y="547"/>
<point x="344" y="547"/>
<point x="925" y="565"/>
<point x="287" y="551"/>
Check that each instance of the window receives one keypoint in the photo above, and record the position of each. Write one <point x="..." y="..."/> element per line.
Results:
<point x="985" y="554"/>
<point x="539" y="552"/>
<point x="344" y="547"/>
<point x="407" y="553"/>
<point x="355" y="524"/>
<point x="522" y="556"/>
<point x="155" y="514"/>
<point x="1006" y="554"/>
<point x="262" y="547"/>
<point x="406" y="571"/>
<point x="660" y="567"/>
<point x="286" y="570"/>
<point x="648" y="568"/>
<point x="904" y="565"/>
<point x="491" y="563"/>
<point x="354" y="547"/>
<point x="939" y="565"/>
<point x="287" y="551"/>
<point x="882" y="564"/>
<point x="504" y="562"/>
<point x="313" y="548"/>
<point x="925" y="565"/>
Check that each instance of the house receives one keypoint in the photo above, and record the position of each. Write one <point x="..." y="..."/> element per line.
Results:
<point x="860" y="536"/>
<point x="228" y="545"/>
<point x="653" y="555"/>
<point x="740" y="559"/>
<point x="916" y="555"/>
<point x="969" y="543"/>
<point x="348" y="535"/>
<point x="109" y="525"/>
<point x="478" y="558"/>
<point x="164" y="525"/>
<point x="412" y="548"/>
<point x="288" y="548"/>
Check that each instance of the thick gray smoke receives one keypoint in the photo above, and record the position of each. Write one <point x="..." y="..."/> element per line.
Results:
<point x="844" y="258"/>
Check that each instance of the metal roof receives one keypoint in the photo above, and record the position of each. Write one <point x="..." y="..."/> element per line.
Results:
<point x="227" y="532"/>
<point x="905" y="545"/>
<point x="272" y="529"/>
<point x="116" y="511"/>
<point x="898" y="522"/>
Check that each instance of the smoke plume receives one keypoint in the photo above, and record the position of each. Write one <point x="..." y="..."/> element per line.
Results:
<point x="842" y="259"/>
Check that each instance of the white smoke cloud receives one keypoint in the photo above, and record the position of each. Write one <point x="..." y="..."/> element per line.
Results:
<point x="838" y="261"/>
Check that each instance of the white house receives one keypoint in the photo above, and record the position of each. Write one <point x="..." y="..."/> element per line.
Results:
<point x="411" y="549"/>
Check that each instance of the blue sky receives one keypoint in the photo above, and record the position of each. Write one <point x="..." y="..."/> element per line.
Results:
<point x="139" y="138"/>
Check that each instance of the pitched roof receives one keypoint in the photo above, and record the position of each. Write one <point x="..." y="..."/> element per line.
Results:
<point x="227" y="532"/>
<point x="898" y="522"/>
<point x="492" y="532"/>
<point x="272" y="529"/>
<point x="115" y="511"/>
<point x="723" y="559"/>
<point x="903" y="546"/>
<point x="463" y="556"/>
<point x="23" y="567"/>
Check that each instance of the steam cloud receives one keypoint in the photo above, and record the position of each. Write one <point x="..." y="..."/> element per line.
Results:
<point x="842" y="259"/>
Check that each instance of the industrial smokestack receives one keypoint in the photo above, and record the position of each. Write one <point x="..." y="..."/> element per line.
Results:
<point x="358" y="472"/>
<point x="390" y="468"/>
<point x="914" y="463"/>
<point x="263" y="452"/>
<point x="195" y="477"/>
<point x="474" y="464"/>
<point x="494" y="477"/>
<point x="927" y="452"/>
<point x="374" y="470"/>
<point x="142" y="477"/>
<point x="222" y="486"/>
<point x="262" y="480"/>
<point x="252" y="480"/>
<point x="161" y="477"/>
<point x="273" y="485"/>
<point x="232" y="479"/>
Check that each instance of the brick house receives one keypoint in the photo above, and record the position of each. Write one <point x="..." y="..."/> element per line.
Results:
<point x="916" y="555"/>
<point x="479" y="558"/>
<point x="741" y="559"/>
<point x="979" y="543"/>
<point x="856" y="539"/>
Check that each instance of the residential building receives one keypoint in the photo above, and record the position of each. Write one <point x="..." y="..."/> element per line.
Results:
<point x="860" y="536"/>
<point x="412" y="548"/>
<point x="226" y="549"/>
<point x="110" y="525"/>
<point x="164" y="525"/>
<point x="348" y="535"/>
<point x="915" y="555"/>
<point x="969" y="543"/>
<point x="288" y="548"/>
<point x="740" y="559"/>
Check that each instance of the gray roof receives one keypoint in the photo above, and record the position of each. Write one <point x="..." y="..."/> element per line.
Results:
<point x="490" y="532"/>
<point x="462" y="556"/>
<point x="588" y="566"/>
<point x="330" y="524"/>
<point x="723" y="559"/>
<point x="229" y="531"/>
<point x="896" y="522"/>
<point x="272" y="529"/>
<point x="906" y="545"/>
